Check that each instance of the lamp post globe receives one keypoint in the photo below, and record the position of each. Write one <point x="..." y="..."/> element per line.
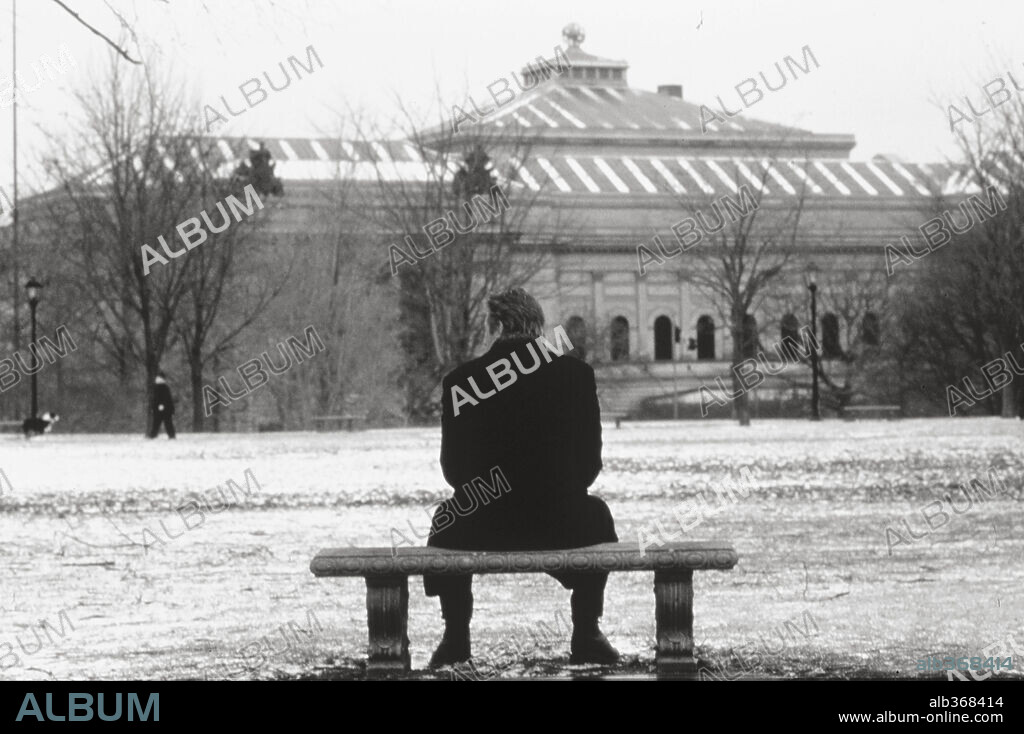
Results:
<point x="33" y="288"/>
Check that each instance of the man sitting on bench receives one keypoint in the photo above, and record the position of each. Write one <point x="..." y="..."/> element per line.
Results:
<point x="544" y="433"/>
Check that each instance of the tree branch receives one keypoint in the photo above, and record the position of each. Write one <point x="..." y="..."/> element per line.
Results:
<point x="99" y="33"/>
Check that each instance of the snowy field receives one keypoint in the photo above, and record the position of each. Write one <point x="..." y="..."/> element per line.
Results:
<point x="89" y="530"/>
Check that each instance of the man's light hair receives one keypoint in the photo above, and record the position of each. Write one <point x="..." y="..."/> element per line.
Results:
<point x="518" y="314"/>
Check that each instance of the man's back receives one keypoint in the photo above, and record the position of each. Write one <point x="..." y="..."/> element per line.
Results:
<point x="520" y="443"/>
<point x="542" y="431"/>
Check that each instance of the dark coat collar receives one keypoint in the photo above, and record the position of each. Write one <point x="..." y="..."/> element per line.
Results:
<point x="504" y="347"/>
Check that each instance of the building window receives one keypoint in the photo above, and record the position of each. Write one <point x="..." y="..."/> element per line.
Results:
<point x="790" y="337"/>
<point x="870" y="331"/>
<point x="617" y="74"/>
<point x="620" y="339"/>
<point x="663" y="338"/>
<point x="576" y="328"/>
<point x="790" y="328"/>
<point x="705" y="337"/>
<point x="748" y="338"/>
<point x="591" y="73"/>
<point x="603" y="73"/>
<point x="830" y="337"/>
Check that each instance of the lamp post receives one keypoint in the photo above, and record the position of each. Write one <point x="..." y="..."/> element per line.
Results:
<point x="675" y="387"/>
<point x="815" y="411"/>
<point x="32" y="288"/>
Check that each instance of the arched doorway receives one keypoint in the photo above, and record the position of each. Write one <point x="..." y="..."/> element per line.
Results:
<point x="790" y="328"/>
<point x="790" y="338"/>
<point x="663" y="338"/>
<point x="748" y="337"/>
<point x="576" y="328"/>
<point x="830" y="348"/>
<point x="870" y="329"/>
<point x="705" y="337"/>
<point x="619" y="339"/>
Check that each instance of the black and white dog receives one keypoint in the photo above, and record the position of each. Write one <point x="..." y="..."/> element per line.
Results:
<point x="39" y="426"/>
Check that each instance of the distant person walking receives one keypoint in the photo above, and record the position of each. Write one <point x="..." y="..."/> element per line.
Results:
<point x="162" y="407"/>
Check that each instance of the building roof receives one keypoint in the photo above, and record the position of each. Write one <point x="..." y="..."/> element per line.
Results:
<point x="688" y="175"/>
<point x="591" y="135"/>
<point x="586" y="99"/>
<point x="566" y="103"/>
<point x="594" y="172"/>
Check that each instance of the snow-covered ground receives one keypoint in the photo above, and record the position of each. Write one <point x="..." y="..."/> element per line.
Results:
<point x="90" y="529"/>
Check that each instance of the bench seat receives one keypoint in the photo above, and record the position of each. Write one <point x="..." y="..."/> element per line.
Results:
<point x="387" y="572"/>
<point x="325" y="422"/>
<point x="618" y="417"/>
<point x="890" y="412"/>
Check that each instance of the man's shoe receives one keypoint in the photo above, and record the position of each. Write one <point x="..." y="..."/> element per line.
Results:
<point x="588" y="644"/>
<point x="454" y="648"/>
<point x="592" y="647"/>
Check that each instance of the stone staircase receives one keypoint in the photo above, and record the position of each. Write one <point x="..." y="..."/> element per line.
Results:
<point x="624" y="388"/>
<point x="645" y="389"/>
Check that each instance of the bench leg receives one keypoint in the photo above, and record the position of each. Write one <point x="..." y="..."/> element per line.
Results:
<point x="387" y="616"/>
<point x="673" y="615"/>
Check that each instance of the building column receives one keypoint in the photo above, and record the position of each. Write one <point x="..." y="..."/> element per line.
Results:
<point x="557" y="289"/>
<point x="600" y="317"/>
<point x="641" y="317"/>
<point x="680" y="348"/>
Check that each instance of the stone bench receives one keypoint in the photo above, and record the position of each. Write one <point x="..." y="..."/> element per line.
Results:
<point x="325" y="422"/>
<point x="616" y="416"/>
<point x="387" y="586"/>
<point x="890" y="412"/>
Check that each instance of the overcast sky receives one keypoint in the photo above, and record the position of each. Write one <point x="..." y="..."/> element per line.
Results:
<point x="883" y="63"/>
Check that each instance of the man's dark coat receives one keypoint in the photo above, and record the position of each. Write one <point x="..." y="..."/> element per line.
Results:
<point x="544" y="433"/>
<point x="162" y="396"/>
<point x="164" y="417"/>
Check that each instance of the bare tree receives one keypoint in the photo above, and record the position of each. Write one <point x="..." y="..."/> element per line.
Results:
<point x="965" y="304"/>
<point x="125" y="26"/>
<point x="223" y="296"/>
<point x="137" y="169"/>
<point x="736" y="265"/>
<point x="343" y="295"/>
<point x="859" y="361"/>
<point x="468" y="183"/>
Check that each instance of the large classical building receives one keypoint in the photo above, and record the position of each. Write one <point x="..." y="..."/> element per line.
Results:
<point x="622" y="166"/>
<point x="625" y="165"/>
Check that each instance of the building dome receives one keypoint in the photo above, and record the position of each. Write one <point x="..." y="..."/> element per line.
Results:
<point x="584" y="68"/>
